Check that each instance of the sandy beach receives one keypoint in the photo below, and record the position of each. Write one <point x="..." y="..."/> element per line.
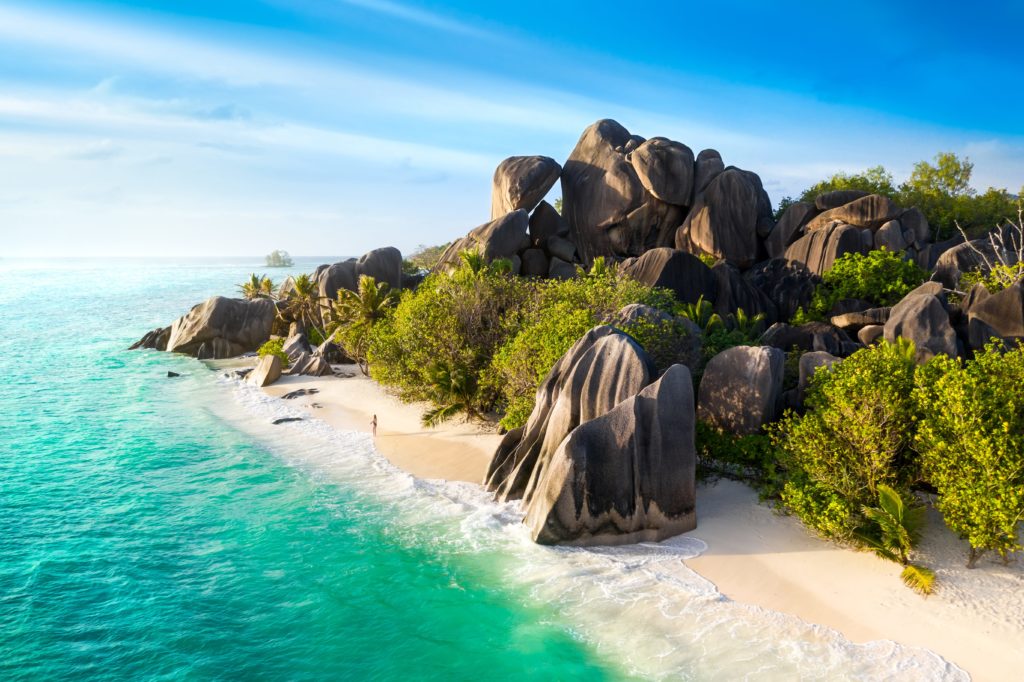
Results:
<point x="755" y="555"/>
<point x="455" y="451"/>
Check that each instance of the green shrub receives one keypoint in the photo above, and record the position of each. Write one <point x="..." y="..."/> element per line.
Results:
<point x="875" y="180"/>
<point x="971" y="443"/>
<point x="557" y="315"/>
<point x="451" y="326"/>
<point x="274" y="347"/>
<point x="667" y="341"/>
<point x="854" y="436"/>
<point x="1000" y="277"/>
<point x="881" y="277"/>
<point x="752" y="458"/>
<point x="940" y="189"/>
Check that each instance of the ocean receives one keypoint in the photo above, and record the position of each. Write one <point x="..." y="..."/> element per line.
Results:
<point x="163" y="529"/>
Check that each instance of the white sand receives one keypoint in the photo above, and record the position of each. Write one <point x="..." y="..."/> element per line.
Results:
<point x="975" y="619"/>
<point x="455" y="450"/>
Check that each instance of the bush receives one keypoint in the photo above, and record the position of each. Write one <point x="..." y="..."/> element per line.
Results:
<point x="940" y="189"/>
<point x="881" y="277"/>
<point x="875" y="180"/>
<point x="971" y="443"/>
<point x="752" y="458"/>
<point x="451" y="326"/>
<point x="1000" y="277"/>
<point x="558" y="314"/>
<point x="854" y="436"/>
<point x="274" y="347"/>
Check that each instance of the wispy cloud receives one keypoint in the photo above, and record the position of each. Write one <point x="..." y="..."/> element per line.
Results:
<point x="137" y="119"/>
<point x="421" y="17"/>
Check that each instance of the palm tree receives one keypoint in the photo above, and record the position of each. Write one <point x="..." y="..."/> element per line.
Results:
<point x="702" y="313"/>
<point x="301" y="302"/>
<point x="894" y="531"/>
<point x="354" y="313"/>
<point x="257" y="286"/>
<point x="453" y="390"/>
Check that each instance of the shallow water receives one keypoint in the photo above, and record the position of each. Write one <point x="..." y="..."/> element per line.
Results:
<point x="155" y="528"/>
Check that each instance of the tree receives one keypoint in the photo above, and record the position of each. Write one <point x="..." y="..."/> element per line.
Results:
<point x="854" y="437"/>
<point x="950" y="176"/>
<point x="971" y="442"/>
<point x="257" y="286"/>
<point x="423" y="258"/>
<point x="354" y="313"/>
<point x="279" y="259"/>
<point x="876" y="180"/>
<point x="452" y="390"/>
<point x="301" y="302"/>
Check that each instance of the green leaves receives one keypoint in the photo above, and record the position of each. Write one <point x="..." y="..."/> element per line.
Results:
<point x="972" y="445"/>
<point x="853" y="439"/>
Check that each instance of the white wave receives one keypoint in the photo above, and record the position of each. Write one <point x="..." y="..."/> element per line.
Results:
<point x="637" y="605"/>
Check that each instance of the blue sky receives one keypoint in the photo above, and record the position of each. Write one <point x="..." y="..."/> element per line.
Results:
<point x="334" y="126"/>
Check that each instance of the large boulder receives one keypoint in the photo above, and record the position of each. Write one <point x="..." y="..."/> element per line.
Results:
<point x="503" y="237"/>
<point x="546" y="222"/>
<point x="789" y="228"/>
<point x="998" y="315"/>
<point x="296" y="345"/>
<point x="787" y="284"/>
<point x="602" y="369"/>
<point x="665" y="169"/>
<point x="837" y="198"/>
<point x="923" y="319"/>
<point x="724" y="219"/>
<point x="521" y="182"/>
<point x="383" y="264"/>
<point x="156" y="339"/>
<point x="741" y="389"/>
<point x="736" y="293"/>
<point x="706" y="168"/>
<point x="818" y="250"/>
<point x="810" y="336"/>
<point x="625" y="476"/>
<point x="267" y="371"/>
<point x="222" y="328"/>
<point x="310" y="364"/>
<point x="871" y="212"/>
<point x="808" y="365"/>
<point x="673" y="269"/>
<point x="862" y="318"/>
<point x="600" y="188"/>
<point x="890" y="236"/>
<point x="535" y="263"/>
<point x="977" y="254"/>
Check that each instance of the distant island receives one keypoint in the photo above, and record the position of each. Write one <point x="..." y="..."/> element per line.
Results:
<point x="279" y="259"/>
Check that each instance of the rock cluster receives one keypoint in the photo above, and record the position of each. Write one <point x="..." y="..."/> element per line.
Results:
<point x="608" y="454"/>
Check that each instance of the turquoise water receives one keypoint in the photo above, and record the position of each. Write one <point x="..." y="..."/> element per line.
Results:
<point x="155" y="528"/>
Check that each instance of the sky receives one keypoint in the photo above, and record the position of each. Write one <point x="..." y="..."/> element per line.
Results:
<point x="194" y="128"/>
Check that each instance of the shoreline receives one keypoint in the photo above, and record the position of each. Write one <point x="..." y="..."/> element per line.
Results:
<point x="754" y="556"/>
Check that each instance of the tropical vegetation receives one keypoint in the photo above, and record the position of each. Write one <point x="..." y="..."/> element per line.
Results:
<point x="940" y="188"/>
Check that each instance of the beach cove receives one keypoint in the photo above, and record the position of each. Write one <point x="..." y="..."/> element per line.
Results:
<point x="753" y="555"/>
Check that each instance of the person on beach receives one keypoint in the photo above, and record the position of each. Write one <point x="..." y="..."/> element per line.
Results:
<point x="373" y="425"/>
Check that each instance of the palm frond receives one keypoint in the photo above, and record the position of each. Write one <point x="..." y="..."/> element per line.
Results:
<point x="918" y="578"/>
<point x="441" y="413"/>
